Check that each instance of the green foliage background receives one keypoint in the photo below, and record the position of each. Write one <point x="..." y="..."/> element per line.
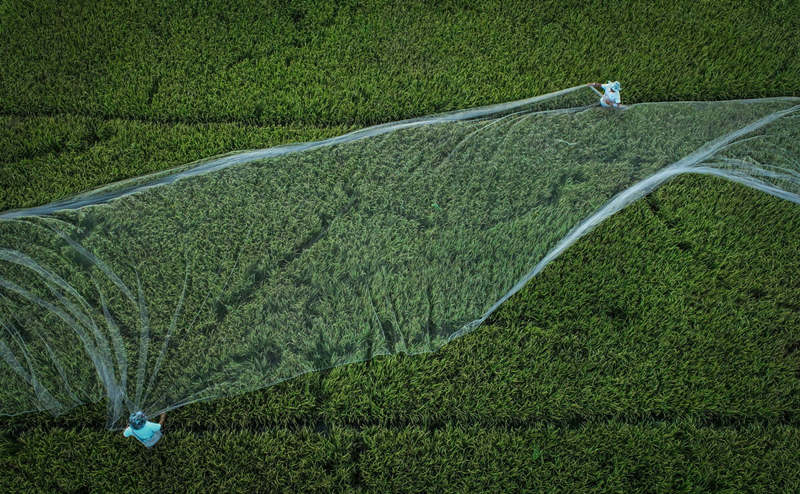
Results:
<point x="661" y="353"/>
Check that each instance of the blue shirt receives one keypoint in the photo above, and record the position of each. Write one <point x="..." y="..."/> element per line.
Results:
<point x="610" y="97"/>
<point x="148" y="435"/>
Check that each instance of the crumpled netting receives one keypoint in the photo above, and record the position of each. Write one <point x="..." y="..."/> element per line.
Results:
<point x="235" y="273"/>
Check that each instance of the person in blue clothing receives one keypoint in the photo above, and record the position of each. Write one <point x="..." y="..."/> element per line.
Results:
<point x="610" y="97"/>
<point x="148" y="433"/>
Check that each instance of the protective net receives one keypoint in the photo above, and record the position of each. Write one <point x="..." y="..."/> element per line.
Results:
<point x="239" y="272"/>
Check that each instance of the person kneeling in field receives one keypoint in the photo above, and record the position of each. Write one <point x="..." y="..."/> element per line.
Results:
<point x="148" y="433"/>
<point x="610" y="97"/>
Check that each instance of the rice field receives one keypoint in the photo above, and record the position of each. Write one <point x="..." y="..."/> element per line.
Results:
<point x="658" y="354"/>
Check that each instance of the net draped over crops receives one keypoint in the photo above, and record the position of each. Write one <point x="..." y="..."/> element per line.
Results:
<point x="238" y="272"/>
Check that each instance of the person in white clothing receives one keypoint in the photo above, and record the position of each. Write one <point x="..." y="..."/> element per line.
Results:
<point x="610" y="97"/>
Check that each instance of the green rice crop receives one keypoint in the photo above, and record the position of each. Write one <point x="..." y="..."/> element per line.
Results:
<point x="604" y="373"/>
<point x="312" y="260"/>
<point x="106" y="85"/>
<point x="594" y="378"/>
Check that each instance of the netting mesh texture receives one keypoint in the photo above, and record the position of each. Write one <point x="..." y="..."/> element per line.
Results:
<point x="235" y="273"/>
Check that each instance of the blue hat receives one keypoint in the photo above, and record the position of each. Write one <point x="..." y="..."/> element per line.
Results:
<point x="137" y="420"/>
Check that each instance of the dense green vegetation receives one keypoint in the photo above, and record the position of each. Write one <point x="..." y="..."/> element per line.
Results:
<point x="88" y="78"/>
<point x="660" y="353"/>
<point x="673" y="367"/>
<point x="656" y="457"/>
<point x="312" y="260"/>
<point x="323" y="63"/>
<point x="91" y="151"/>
